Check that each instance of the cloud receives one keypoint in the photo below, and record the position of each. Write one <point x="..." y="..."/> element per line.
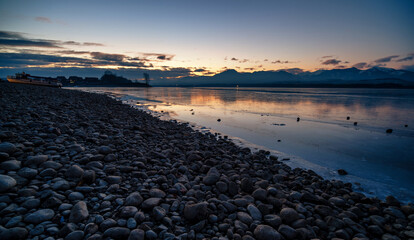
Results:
<point x="386" y="59"/>
<point x="244" y="61"/>
<point x="280" y="62"/>
<point x="340" y="67"/>
<point x="249" y="69"/>
<point x="360" y="65"/>
<point x="108" y="57"/>
<point x="18" y="60"/>
<point x="409" y="58"/>
<point x="92" y="44"/>
<point x="234" y="59"/>
<point x="14" y="39"/>
<point x="327" y="56"/>
<point x="164" y="57"/>
<point x="28" y="43"/>
<point x="331" y="62"/>
<point x="159" y="56"/>
<point x="43" y="19"/>
<point x="200" y="70"/>
<point x="10" y="35"/>
<point x="73" y="52"/>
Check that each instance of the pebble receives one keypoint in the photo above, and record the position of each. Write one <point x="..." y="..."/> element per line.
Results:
<point x="254" y="212"/>
<point x="79" y="212"/>
<point x="16" y="233"/>
<point x="39" y="216"/>
<point x="134" y="199"/>
<point x="265" y="232"/>
<point x="117" y="233"/>
<point x="197" y="211"/>
<point x="6" y="182"/>
<point x="150" y="203"/>
<point x="7" y="147"/>
<point x="75" y="235"/>
<point x="28" y="173"/>
<point x="11" y="165"/>
<point x="289" y="215"/>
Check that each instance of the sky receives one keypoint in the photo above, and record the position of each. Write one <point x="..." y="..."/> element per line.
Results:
<point x="174" y="39"/>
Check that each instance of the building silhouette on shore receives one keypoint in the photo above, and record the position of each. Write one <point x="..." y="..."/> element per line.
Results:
<point x="109" y="79"/>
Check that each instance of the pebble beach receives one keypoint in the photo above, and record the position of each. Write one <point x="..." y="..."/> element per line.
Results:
<point x="77" y="165"/>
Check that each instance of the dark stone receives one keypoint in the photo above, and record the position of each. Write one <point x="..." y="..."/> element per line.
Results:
<point x="39" y="216"/>
<point x="74" y="172"/>
<point x="246" y="185"/>
<point x="196" y="212"/>
<point x="7" y="147"/>
<point x="289" y="215"/>
<point x="6" y="182"/>
<point x="134" y="199"/>
<point x="260" y="194"/>
<point x="342" y="172"/>
<point x="264" y="232"/>
<point x="79" y="212"/>
<point x="75" y="235"/>
<point x="117" y="233"/>
<point x="16" y="233"/>
<point x="128" y="211"/>
<point x="150" y="203"/>
<point x="212" y="177"/>
<point x="287" y="232"/>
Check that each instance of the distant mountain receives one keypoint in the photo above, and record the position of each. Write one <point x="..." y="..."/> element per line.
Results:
<point x="373" y="77"/>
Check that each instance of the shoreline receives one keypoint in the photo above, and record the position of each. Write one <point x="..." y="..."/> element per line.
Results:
<point x="366" y="185"/>
<point x="84" y="164"/>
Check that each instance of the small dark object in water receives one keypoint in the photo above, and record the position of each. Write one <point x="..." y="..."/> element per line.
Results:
<point x="191" y="110"/>
<point x="279" y="140"/>
<point x="162" y="111"/>
<point x="389" y="130"/>
<point x="226" y="137"/>
<point x="219" y="120"/>
<point x="192" y="113"/>
<point x="355" y="123"/>
<point x="347" y="118"/>
<point x="298" y="119"/>
<point x="342" y="172"/>
<point x="405" y="125"/>
<point x="285" y="159"/>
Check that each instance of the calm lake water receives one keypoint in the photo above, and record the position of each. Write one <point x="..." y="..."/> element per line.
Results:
<point x="323" y="140"/>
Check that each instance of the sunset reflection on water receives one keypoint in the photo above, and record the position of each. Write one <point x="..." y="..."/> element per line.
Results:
<point x="323" y="140"/>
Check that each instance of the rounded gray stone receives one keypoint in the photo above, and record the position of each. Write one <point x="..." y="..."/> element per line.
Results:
<point x="6" y="182"/>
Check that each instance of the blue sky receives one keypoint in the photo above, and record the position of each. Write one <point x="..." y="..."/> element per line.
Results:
<point x="208" y="36"/>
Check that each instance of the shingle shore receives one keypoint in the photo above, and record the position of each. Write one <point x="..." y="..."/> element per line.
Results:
<point x="76" y="165"/>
